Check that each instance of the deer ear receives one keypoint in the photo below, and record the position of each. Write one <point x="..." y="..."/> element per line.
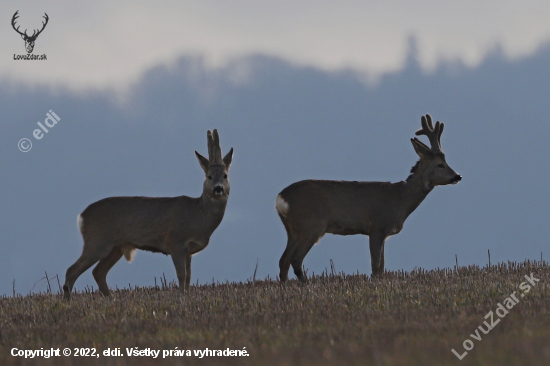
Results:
<point x="421" y="149"/>
<point x="203" y="162"/>
<point x="23" y="36"/>
<point x="228" y="159"/>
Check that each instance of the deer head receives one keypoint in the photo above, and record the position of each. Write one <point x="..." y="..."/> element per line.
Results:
<point x="216" y="169"/>
<point x="29" y="40"/>
<point x="432" y="166"/>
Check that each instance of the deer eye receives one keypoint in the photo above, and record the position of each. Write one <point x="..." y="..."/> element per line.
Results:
<point x="440" y="166"/>
<point x="225" y="176"/>
<point x="210" y="177"/>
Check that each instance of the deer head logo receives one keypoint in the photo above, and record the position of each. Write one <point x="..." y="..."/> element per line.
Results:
<point x="29" y="40"/>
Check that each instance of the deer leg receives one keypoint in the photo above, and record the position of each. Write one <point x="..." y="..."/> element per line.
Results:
<point x="82" y="264"/>
<point x="188" y="271"/>
<point x="381" y="267"/>
<point x="100" y="271"/>
<point x="376" y="244"/>
<point x="179" y="258"/>
<point x="300" y="252"/>
<point x="284" y="262"/>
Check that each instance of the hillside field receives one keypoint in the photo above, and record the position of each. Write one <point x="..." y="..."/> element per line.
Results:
<point x="406" y="318"/>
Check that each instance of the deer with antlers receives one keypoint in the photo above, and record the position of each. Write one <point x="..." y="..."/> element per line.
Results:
<point x="311" y="208"/>
<point x="176" y="226"/>
<point x="29" y="40"/>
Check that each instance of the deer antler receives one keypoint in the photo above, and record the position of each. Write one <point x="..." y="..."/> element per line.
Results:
<point x="15" y="16"/>
<point x="433" y="133"/>
<point x="43" y="26"/>
<point x="35" y="33"/>
<point x="216" y="152"/>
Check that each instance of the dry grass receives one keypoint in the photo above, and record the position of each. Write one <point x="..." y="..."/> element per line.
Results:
<point x="405" y="319"/>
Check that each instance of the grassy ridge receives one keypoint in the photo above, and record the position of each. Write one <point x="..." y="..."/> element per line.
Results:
<point x="408" y="318"/>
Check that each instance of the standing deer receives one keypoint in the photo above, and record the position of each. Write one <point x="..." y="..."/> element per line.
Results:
<point x="178" y="226"/>
<point x="311" y="208"/>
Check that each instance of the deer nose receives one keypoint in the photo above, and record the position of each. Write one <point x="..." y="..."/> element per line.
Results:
<point x="457" y="178"/>
<point x="218" y="190"/>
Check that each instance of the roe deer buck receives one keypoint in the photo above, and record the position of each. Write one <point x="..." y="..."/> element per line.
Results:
<point x="311" y="208"/>
<point x="179" y="226"/>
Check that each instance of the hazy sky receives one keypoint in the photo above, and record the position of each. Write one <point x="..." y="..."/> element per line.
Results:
<point x="108" y="43"/>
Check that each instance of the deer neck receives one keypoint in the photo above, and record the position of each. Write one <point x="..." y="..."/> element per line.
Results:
<point x="213" y="210"/>
<point x="416" y="188"/>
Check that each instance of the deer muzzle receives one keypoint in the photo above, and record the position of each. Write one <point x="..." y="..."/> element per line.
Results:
<point x="218" y="190"/>
<point x="457" y="178"/>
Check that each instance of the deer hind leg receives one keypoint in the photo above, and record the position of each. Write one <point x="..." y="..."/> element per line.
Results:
<point x="91" y="254"/>
<point x="82" y="264"/>
<point x="376" y="244"/>
<point x="100" y="271"/>
<point x="302" y="247"/>
<point x="284" y="262"/>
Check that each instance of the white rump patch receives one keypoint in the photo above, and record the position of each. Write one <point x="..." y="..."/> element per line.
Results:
<point x="79" y="222"/>
<point x="281" y="206"/>
<point x="129" y="253"/>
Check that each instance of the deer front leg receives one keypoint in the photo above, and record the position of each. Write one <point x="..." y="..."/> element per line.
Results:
<point x="188" y="272"/>
<point x="179" y="257"/>
<point x="376" y="244"/>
